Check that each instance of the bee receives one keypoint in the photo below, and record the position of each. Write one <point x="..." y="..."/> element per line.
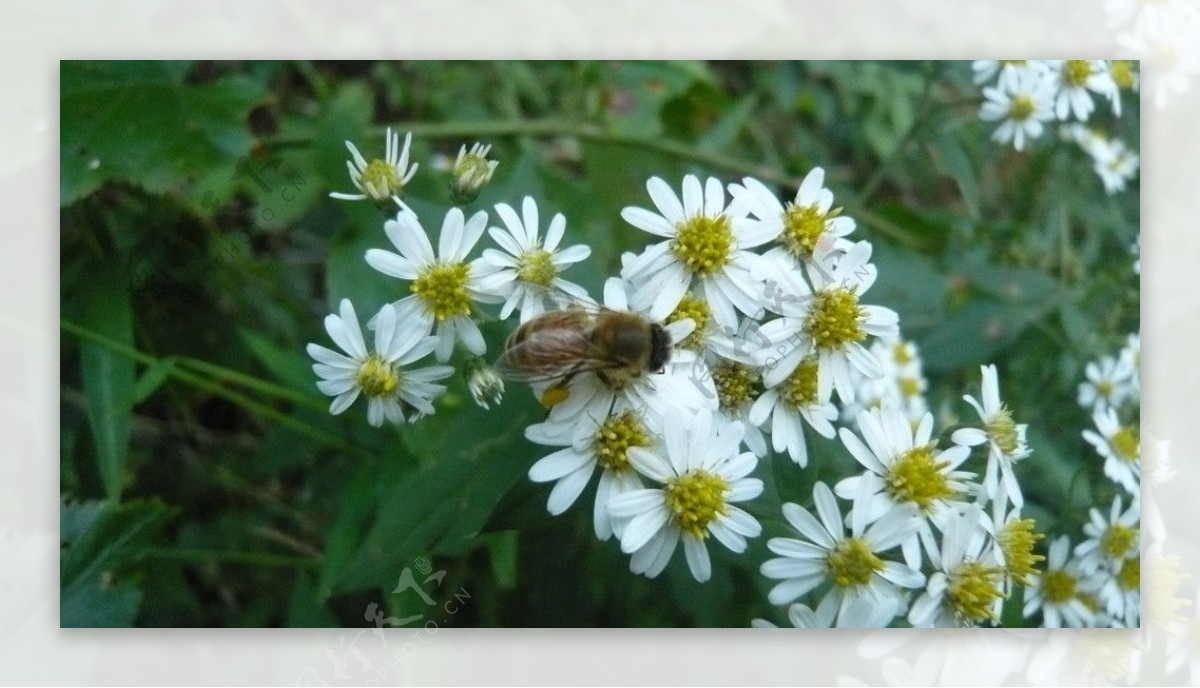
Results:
<point x="617" y="346"/>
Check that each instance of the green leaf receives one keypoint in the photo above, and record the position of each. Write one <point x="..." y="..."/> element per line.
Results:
<point x="726" y="130"/>
<point x="974" y="334"/>
<point x="293" y="368"/>
<point x="640" y="90"/>
<point x="138" y="122"/>
<point x="951" y="159"/>
<point x="152" y="379"/>
<point x="502" y="550"/>
<point x="92" y="594"/>
<point x="108" y="376"/>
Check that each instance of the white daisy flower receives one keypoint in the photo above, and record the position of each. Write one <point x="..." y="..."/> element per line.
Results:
<point x="1009" y="71"/>
<point x="379" y="180"/>
<point x="739" y="386"/>
<point x="472" y="171"/>
<point x="800" y="616"/>
<point x="1014" y="539"/>
<point x="966" y="589"/>
<point x="444" y="285"/>
<point x="591" y="442"/>
<point x="1120" y="447"/>
<point x="865" y="589"/>
<point x="378" y="374"/>
<point x="702" y="476"/>
<point x="1023" y="106"/>
<point x="1109" y="383"/>
<point x="1110" y="541"/>
<point x="526" y="273"/>
<point x="1074" y="81"/>
<point x="1116" y="165"/>
<point x="706" y="251"/>
<point x="1056" y="592"/>
<point x="785" y="404"/>
<point x="906" y="470"/>
<point x="830" y="321"/>
<point x="807" y="226"/>
<point x="1005" y="439"/>
<point x="683" y="382"/>
<point x="902" y="384"/>
<point x="1119" y="592"/>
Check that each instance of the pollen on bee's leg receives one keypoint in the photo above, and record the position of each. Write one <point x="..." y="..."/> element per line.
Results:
<point x="555" y="395"/>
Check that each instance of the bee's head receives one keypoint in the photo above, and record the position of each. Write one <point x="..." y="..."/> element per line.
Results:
<point x="660" y="348"/>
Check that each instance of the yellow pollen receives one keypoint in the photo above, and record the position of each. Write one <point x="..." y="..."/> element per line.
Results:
<point x="910" y="387"/>
<point x="1075" y="73"/>
<point x="537" y="268"/>
<point x="1105" y="388"/>
<point x="1125" y="444"/>
<point x="916" y="477"/>
<point x="1118" y="541"/>
<point x="973" y="590"/>
<point x="696" y="308"/>
<point x="696" y="498"/>
<point x="1058" y="587"/>
<point x="799" y="390"/>
<point x="852" y="563"/>
<point x="1016" y="542"/>
<point x="377" y="378"/>
<point x="443" y="289"/>
<point x="1122" y="73"/>
<point x="737" y="384"/>
<point x="703" y="244"/>
<point x="555" y="395"/>
<point x="833" y="320"/>
<point x="381" y="176"/>
<point x="1002" y="431"/>
<point x="803" y="226"/>
<point x="1021" y="108"/>
<point x="1130" y="575"/>
<point x="615" y="436"/>
<point x="900" y="354"/>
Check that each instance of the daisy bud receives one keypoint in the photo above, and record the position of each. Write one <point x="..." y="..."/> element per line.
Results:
<point x="486" y="386"/>
<point x="472" y="170"/>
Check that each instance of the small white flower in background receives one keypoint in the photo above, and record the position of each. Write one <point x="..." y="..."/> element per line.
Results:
<point x="1022" y="107"/>
<point x="683" y="383"/>
<point x="966" y="589"/>
<point x="1119" y="592"/>
<point x="588" y="443"/>
<point x="1110" y="541"/>
<point x="866" y="590"/>
<point x="905" y="472"/>
<point x="706" y="251"/>
<point x="1120" y="447"/>
<point x="484" y="383"/>
<point x="472" y="171"/>
<point x="526" y="274"/>
<point x="379" y="180"/>
<point x="1056" y="591"/>
<point x="1005" y="439"/>
<point x="1116" y="165"/>
<point x="443" y="286"/>
<point x="785" y="404"/>
<point x="702" y="476"/>
<point x="800" y="616"/>
<point x="1074" y="81"/>
<point x="1109" y="383"/>
<point x="1008" y="70"/>
<point x="378" y="374"/>
<point x="902" y="384"/>
<point x="829" y="320"/>
<point x="1131" y="354"/>
<point x="809" y="225"/>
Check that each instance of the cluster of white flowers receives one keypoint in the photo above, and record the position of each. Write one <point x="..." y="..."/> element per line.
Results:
<point x="761" y="311"/>
<point x="1026" y="95"/>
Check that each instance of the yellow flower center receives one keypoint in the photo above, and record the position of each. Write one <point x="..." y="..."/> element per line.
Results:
<point x="615" y="437"/>
<point x="1125" y="444"/>
<point x="696" y="308"/>
<point x="1075" y="73"/>
<point x="1118" y="541"/>
<point x="1021" y="108"/>
<point x="696" y="498"/>
<point x="381" y="176"/>
<point x="377" y="378"/>
<point x="803" y="226"/>
<point x="1122" y="73"/>
<point x="916" y="477"/>
<point x="1016" y="540"/>
<point x="1002" y="431"/>
<point x="1130" y="575"/>
<point x="910" y="387"/>
<point x="1104" y="388"/>
<point x="443" y="289"/>
<point x="537" y="268"/>
<point x="737" y="384"/>
<point x="472" y="170"/>
<point x="900" y="354"/>
<point x="852" y="563"/>
<point x="799" y="390"/>
<point x="973" y="590"/>
<point x="1058" y="586"/>
<point x="703" y="244"/>
<point x="833" y="320"/>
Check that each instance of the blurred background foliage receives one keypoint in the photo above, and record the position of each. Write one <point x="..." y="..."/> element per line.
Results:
<point x="203" y="482"/>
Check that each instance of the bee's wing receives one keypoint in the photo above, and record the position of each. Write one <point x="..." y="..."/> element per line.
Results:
<point x="551" y="353"/>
